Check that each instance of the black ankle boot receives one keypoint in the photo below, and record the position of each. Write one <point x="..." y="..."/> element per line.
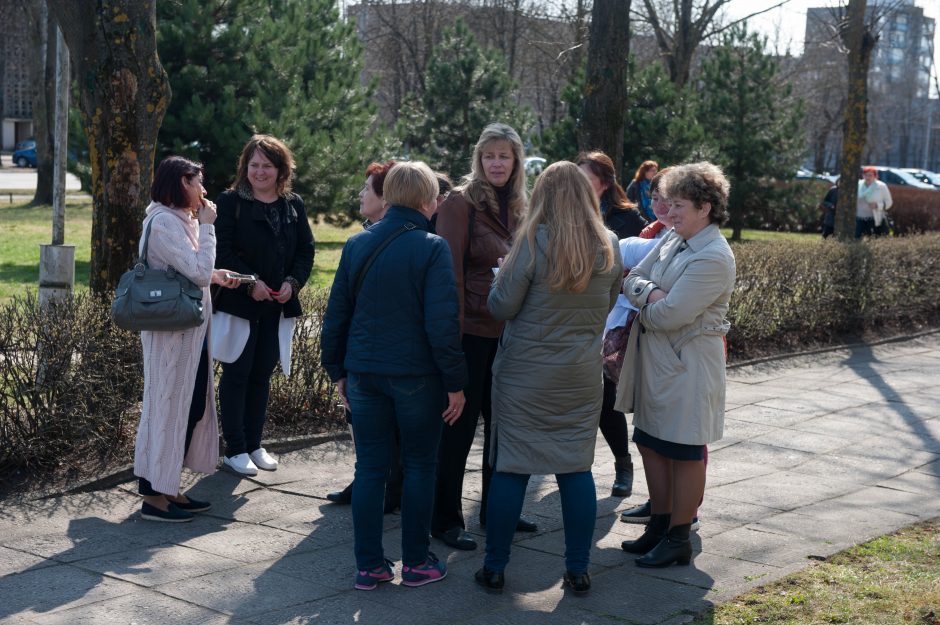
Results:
<point x="623" y="478"/>
<point x="655" y="532"/>
<point x="579" y="583"/>
<point x="674" y="547"/>
<point x="490" y="580"/>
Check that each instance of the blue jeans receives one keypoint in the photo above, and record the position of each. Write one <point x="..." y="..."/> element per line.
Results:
<point x="379" y="404"/>
<point x="578" y="511"/>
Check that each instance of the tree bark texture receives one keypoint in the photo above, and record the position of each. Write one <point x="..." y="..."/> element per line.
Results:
<point x="124" y="93"/>
<point x="42" y="73"/>
<point x="605" y="88"/>
<point x="859" y="41"/>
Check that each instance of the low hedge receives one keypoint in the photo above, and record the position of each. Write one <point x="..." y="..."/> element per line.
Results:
<point x="71" y="382"/>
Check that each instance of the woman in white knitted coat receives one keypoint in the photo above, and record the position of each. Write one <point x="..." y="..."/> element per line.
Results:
<point x="178" y="418"/>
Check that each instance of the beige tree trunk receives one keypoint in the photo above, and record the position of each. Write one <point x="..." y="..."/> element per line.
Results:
<point x="859" y="41"/>
<point x="605" y="86"/>
<point x="124" y="93"/>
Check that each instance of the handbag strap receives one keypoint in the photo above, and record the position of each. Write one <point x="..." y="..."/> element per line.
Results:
<point x="361" y="276"/>
<point x="143" y="253"/>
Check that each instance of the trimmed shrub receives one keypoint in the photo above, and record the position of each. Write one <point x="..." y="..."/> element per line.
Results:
<point x="915" y="210"/>
<point x="796" y="295"/>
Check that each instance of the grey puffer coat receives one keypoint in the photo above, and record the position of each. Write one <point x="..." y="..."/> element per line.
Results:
<point x="547" y="384"/>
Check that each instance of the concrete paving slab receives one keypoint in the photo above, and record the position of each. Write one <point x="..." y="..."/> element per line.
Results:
<point x="246" y="591"/>
<point x="768" y="455"/>
<point x="351" y="608"/>
<point x="773" y="549"/>
<point x="802" y="441"/>
<point x="249" y="543"/>
<point x="36" y="592"/>
<point x="140" y="608"/>
<point x="13" y="561"/>
<point x="785" y="490"/>
<point x="915" y="482"/>
<point x="768" y="415"/>
<point x="930" y="468"/>
<point x="259" y="506"/>
<point x="158" y="565"/>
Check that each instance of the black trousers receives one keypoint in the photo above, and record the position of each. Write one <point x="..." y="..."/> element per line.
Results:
<point x="197" y="408"/>
<point x="244" y="387"/>
<point x="613" y="423"/>
<point x="457" y="439"/>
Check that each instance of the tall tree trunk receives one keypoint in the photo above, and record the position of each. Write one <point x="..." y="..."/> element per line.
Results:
<point x="860" y="42"/>
<point x="42" y="73"/>
<point x="124" y="95"/>
<point x="605" y="88"/>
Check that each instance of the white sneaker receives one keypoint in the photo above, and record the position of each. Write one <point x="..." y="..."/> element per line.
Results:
<point x="264" y="460"/>
<point x="241" y="464"/>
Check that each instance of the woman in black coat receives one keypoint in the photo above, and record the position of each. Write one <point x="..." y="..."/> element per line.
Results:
<point x="262" y="229"/>
<point x="620" y="214"/>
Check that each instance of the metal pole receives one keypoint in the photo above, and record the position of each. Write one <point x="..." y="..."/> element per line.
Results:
<point x="61" y="134"/>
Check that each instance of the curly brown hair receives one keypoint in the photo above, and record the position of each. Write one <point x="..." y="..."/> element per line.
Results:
<point x="699" y="183"/>
<point x="275" y="151"/>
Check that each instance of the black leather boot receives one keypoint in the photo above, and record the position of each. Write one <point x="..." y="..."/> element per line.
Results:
<point x="623" y="478"/>
<point x="579" y="583"/>
<point x="674" y="547"/>
<point x="655" y="532"/>
<point x="342" y="497"/>
<point x="490" y="580"/>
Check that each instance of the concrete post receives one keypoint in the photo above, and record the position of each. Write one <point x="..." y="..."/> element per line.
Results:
<point x="56" y="273"/>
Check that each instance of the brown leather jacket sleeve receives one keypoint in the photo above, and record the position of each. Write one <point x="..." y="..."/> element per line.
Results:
<point x="453" y="219"/>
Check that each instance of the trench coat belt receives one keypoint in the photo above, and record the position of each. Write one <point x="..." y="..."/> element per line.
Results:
<point x="720" y="329"/>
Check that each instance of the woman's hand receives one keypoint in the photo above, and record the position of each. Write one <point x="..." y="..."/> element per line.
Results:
<point x="656" y="295"/>
<point x="284" y="294"/>
<point x="207" y="213"/>
<point x="260" y="292"/>
<point x="219" y="277"/>
<point x="341" y="391"/>
<point x="455" y="402"/>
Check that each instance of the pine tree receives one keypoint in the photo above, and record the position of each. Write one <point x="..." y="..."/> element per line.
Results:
<point x="284" y="67"/>
<point x="467" y="87"/>
<point x="753" y="121"/>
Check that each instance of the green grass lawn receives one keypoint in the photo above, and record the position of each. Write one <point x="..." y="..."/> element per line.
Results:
<point x="892" y="580"/>
<point x="22" y="229"/>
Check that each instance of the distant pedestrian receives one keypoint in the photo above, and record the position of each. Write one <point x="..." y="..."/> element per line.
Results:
<point x="555" y="288"/>
<point x="828" y="207"/>
<point x="874" y="201"/>
<point x="620" y="215"/>
<point x="638" y="191"/>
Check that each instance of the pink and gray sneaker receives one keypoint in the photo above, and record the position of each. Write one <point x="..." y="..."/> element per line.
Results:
<point x="370" y="579"/>
<point x="428" y="572"/>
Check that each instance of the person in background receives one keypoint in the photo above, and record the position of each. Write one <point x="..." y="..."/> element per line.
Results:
<point x="673" y="376"/>
<point x="477" y="220"/>
<point x="263" y="230"/>
<point x="638" y="191"/>
<point x="828" y="207"/>
<point x="619" y="214"/>
<point x="391" y="344"/>
<point x="625" y="221"/>
<point x="372" y="207"/>
<point x="555" y="289"/>
<point x="177" y="416"/>
<point x="874" y="201"/>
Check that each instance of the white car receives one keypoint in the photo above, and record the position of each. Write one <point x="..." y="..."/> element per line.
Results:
<point x="924" y="176"/>
<point x="893" y="175"/>
<point x="534" y="165"/>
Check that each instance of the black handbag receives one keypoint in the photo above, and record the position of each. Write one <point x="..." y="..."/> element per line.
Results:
<point x="154" y="299"/>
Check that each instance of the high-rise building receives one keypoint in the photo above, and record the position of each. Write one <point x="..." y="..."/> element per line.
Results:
<point x="904" y="128"/>
<point x="16" y="104"/>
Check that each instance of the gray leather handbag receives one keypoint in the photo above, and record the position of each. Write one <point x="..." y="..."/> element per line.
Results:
<point x="154" y="299"/>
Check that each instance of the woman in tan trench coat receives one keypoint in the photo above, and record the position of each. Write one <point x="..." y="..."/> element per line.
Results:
<point x="673" y="378"/>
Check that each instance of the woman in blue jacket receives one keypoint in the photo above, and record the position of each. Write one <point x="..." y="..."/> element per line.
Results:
<point x="391" y="344"/>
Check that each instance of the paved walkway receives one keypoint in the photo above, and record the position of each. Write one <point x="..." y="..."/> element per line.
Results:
<point x="820" y="453"/>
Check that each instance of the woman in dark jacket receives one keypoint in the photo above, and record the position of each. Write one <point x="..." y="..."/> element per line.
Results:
<point x="262" y="230"/>
<point x="477" y="220"/>
<point x="391" y="343"/>
<point x="638" y="191"/>
<point x="620" y="215"/>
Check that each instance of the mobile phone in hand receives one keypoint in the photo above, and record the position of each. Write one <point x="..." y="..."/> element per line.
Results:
<point x="244" y="278"/>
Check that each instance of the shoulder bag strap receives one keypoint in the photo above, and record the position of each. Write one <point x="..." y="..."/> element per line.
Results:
<point x="361" y="276"/>
<point x="143" y="253"/>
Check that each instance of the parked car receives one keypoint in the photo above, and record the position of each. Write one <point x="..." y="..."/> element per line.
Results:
<point x="26" y="144"/>
<point x="925" y="176"/>
<point x="805" y="174"/>
<point x="534" y="165"/>
<point x="25" y="158"/>
<point x="893" y="175"/>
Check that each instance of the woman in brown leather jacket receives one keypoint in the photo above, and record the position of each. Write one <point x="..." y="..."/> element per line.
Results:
<point x="477" y="220"/>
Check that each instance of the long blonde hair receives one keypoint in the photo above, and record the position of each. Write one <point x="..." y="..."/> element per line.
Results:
<point x="475" y="187"/>
<point x="564" y="202"/>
